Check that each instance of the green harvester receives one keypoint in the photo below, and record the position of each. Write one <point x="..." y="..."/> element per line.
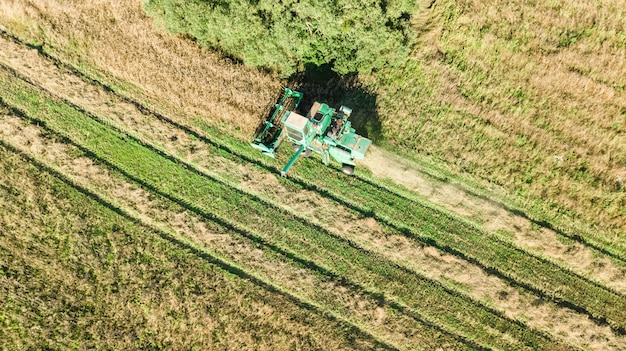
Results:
<point x="323" y="130"/>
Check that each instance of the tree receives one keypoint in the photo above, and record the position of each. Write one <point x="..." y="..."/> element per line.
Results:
<point x="284" y="35"/>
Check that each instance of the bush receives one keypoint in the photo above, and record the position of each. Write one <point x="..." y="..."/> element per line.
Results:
<point x="284" y="35"/>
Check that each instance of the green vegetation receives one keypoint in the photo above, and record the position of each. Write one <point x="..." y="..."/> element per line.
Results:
<point x="526" y="96"/>
<point x="539" y="84"/>
<point x="273" y="226"/>
<point x="287" y="35"/>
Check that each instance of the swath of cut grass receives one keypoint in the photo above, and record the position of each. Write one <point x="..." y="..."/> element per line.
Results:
<point x="141" y="124"/>
<point x="179" y="77"/>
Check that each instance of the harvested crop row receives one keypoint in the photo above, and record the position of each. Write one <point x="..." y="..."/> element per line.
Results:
<point x="502" y="258"/>
<point x="214" y="199"/>
<point x="432" y="227"/>
<point x="285" y="193"/>
<point x="357" y="307"/>
<point x="144" y="125"/>
<point x="75" y="272"/>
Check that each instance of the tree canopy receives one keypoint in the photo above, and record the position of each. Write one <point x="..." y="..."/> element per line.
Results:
<point x="285" y="35"/>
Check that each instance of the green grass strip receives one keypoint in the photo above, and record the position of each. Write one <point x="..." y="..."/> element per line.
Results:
<point x="324" y="300"/>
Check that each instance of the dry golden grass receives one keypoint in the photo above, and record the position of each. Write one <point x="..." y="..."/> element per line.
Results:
<point x="118" y="38"/>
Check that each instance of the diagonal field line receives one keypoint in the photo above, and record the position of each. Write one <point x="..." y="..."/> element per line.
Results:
<point x="575" y="237"/>
<point x="409" y="233"/>
<point x="189" y="204"/>
<point x="244" y="232"/>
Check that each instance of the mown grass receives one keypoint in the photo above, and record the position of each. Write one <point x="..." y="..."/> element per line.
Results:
<point x="298" y="277"/>
<point x="179" y="143"/>
<point x="437" y="136"/>
<point x="432" y="227"/>
<point x="240" y="145"/>
<point x="76" y="274"/>
<point x="214" y="199"/>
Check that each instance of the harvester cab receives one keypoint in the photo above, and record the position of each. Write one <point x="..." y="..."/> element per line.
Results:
<point x="323" y="130"/>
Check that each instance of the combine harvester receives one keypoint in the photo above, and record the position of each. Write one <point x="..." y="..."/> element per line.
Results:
<point x="324" y="131"/>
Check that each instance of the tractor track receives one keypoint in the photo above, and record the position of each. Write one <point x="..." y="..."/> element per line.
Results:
<point x="290" y="255"/>
<point x="334" y="197"/>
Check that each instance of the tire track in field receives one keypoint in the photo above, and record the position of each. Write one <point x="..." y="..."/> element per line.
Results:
<point x="165" y="133"/>
<point x="460" y="300"/>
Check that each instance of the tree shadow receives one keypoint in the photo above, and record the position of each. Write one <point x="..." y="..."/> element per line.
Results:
<point x="320" y="83"/>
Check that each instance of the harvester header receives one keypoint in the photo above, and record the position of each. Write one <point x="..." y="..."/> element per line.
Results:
<point x="322" y="130"/>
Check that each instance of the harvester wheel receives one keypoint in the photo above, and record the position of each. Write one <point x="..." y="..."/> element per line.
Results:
<point x="347" y="169"/>
<point x="295" y="147"/>
<point x="307" y="153"/>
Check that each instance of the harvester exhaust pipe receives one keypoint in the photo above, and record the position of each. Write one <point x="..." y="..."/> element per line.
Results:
<point x="292" y="161"/>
